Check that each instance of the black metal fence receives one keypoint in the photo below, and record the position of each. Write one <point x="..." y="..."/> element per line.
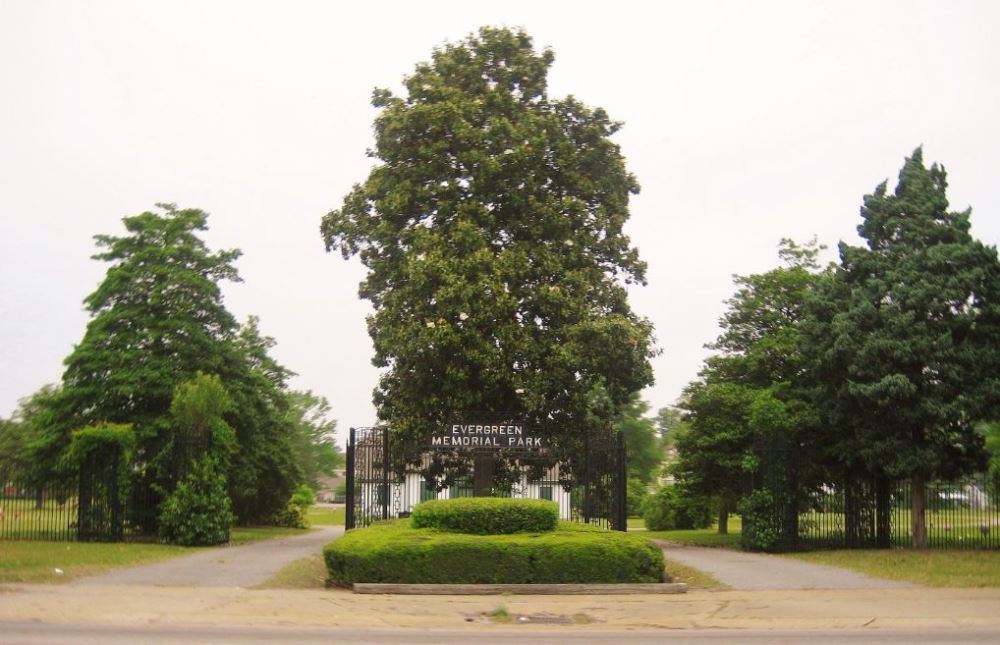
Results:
<point x="386" y="481"/>
<point x="963" y="514"/>
<point x="93" y="504"/>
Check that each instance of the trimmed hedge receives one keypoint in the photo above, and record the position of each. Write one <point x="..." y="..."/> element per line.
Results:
<point x="573" y="553"/>
<point x="487" y="515"/>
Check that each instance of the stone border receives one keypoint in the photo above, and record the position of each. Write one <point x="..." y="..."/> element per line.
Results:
<point x="539" y="589"/>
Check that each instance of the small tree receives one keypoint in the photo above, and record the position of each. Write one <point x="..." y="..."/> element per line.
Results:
<point x="198" y="512"/>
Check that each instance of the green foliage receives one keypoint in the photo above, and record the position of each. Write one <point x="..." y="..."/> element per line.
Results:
<point x="905" y="337"/>
<point x="264" y="471"/>
<point x="991" y="435"/>
<point x="105" y="438"/>
<point x="762" y="526"/>
<point x="752" y="394"/>
<point x="198" y="409"/>
<point x="641" y="444"/>
<point x="157" y="319"/>
<point x="313" y="440"/>
<point x="296" y="512"/>
<point x="492" y="230"/>
<point x="395" y="552"/>
<point x="637" y="493"/>
<point x="13" y="446"/>
<point x="158" y="322"/>
<point x="487" y="515"/>
<point x="674" y="507"/>
<point x="291" y="516"/>
<point x="198" y="512"/>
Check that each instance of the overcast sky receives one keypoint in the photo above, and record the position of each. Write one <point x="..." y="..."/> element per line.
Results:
<point x="744" y="123"/>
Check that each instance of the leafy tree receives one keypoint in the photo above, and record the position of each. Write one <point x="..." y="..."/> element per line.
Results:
<point x="751" y="393"/>
<point x="157" y="321"/>
<point x="991" y="434"/>
<point x="715" y="450"/>
<point x="314" y="441"/>
<point x="491" y="228"/>
<point x="264" y="470"/>
<point x="198" y="410"/>
<point x="24" y="443"/>
<point x="639" y="431"/>
<point x="908" y="336"/>
<point x="669" y="420"/>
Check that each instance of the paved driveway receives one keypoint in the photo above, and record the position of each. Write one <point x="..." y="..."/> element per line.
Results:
<point x="742" y="570"/>
<point x="235" y="566"/>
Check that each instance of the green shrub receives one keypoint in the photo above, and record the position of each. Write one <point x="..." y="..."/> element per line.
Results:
<point x="198" y="512"/>
<point x="762" y="530"/>
<point x="673" y="507"/>
<point x="487" y="515"/>
<point x="296" y="511"/>
<point x="395" y="552"/>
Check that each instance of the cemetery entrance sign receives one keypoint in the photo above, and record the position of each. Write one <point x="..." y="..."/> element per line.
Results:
<point x="489" y="435"/>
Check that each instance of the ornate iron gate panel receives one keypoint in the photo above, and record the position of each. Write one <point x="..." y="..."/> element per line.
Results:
<point x="588" y="483"/>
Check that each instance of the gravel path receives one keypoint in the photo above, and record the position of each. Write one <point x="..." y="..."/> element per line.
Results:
<point x="742" y="570"/>
<point x="235" y="566"/>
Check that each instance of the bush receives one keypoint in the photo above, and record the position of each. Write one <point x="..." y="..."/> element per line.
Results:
<point x="295" y="513"/>
<point x="395" y="552"/>
<point x="487" y="515"/>
<point x="762" y="530"/>
<point x="673" y="507"/>
<point x="198" y="512"/>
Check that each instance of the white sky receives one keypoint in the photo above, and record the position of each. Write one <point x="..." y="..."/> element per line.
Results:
<point x="745" y="122"/>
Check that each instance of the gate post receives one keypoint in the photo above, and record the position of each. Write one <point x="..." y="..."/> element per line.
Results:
<point x="349" y="519"/>
<point x="621" y="484"/>
<point x="385" y="473"/>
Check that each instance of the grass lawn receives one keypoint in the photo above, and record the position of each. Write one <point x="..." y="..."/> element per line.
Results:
<point x="37" y="561"/>
<point x="307" y="573"/>
<point x="933" y="568"/>
<point x="702" y="537"/>
<point x="696" y="579"/>
<point x="324" y="516"/>
<point x="245" y="534"/>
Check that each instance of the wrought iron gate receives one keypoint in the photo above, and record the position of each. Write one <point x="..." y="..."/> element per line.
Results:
<point x="385" y="482"/>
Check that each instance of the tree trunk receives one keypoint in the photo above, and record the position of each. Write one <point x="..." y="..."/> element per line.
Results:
<point x="723" y="518"/>
<point x="39" y="498"/>
<point x="918" y="523"/>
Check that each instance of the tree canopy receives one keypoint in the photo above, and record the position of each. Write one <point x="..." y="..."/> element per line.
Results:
<point x="908" y="335"/>
<point x="491" y="228"/>
<point x="162" y="353"/>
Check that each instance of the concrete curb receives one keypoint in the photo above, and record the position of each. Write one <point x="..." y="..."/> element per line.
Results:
<point x="520" y="589"/>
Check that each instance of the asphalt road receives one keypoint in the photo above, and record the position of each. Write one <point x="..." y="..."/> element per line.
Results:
<point x="30" y="633"/>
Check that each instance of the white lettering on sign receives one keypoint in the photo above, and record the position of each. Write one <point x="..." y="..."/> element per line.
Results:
<point x="485" y="435"/>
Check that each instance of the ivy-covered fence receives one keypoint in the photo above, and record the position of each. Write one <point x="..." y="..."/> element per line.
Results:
<point x="88" y="498"/>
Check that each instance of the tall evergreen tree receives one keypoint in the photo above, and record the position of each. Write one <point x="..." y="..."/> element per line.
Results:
<point x="157" y="320"/>
<point x="908" y="336"/>
<point x="491" y="228"/>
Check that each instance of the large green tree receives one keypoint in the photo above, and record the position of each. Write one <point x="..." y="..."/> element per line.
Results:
<point x="751" y="393"/>
<point x="491" y="228"/>
<point x="157" y="320"/>
<point x="908" y="336"/>
<point x="313" y="437"/>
